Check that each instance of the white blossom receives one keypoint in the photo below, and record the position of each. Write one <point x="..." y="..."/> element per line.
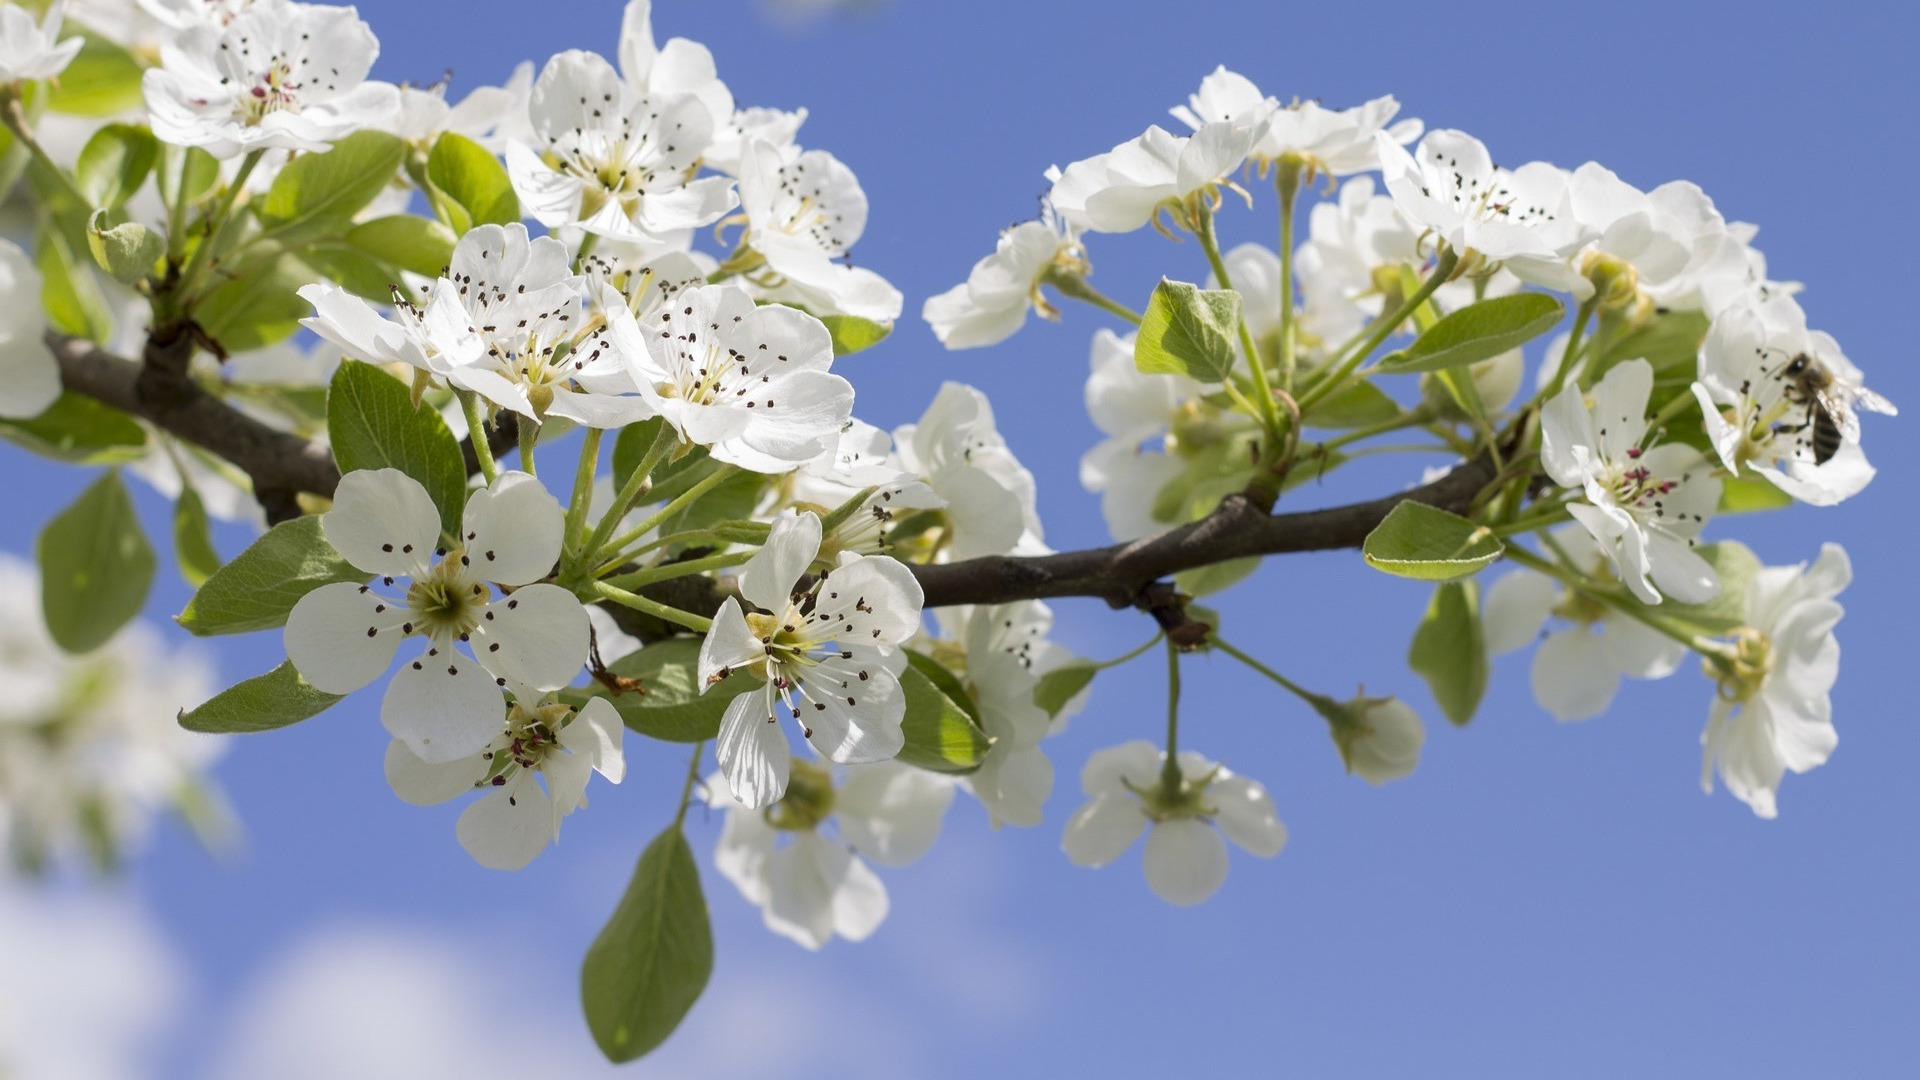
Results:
<point x="804" y="212"/>
<point x="484" y="115"/>
<point x="750" y="383"/>
<point x="832" y="654"/>
<point x="1138" y="412"/>
<point x="278" y="76"/>
<point x="187" y="14"/>
<point x="990" y="496"/>
<point x="779" y="127"/>
<point x="29" y="52"/>
<point x="442" y="704"/>
<point x="678" y="67"/>
<point x="613" y="158"/>
<point x="1450" y="187"/>
<point x="1577" y="668"/>
<point x="861" y="459"/>
<point x="29" y="377"/>
<point x="518" y="817"/>
<point x="1186" y="858"/>
<point x="1379" y="739"/>
<point x="1753" y="393"/>
<point x="1645" y="504"/>
<point x="997" y="650"/>
<point x="1338" y="142"/>
<point x="815" y="886"/>
<point x="1772" y="714"/>
<point x="1121" y="190"/>
<point x="992" y="303"/>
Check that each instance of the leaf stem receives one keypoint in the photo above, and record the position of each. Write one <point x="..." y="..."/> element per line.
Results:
<point x="637" y="484"/>
<point x="582" y="502"/>
<point x="679" y="503"/>
<point x="1170" y="776"/>
<point x="477" y="434"/>
<point x="1269" y="409"/>
<point x="1318" y="701"/>
<point x="654" y="608"/>
<point x="685" y="568"/>
<point x="1103" y="665"/>
<point x="693" y="777"/>
<point x="1076" y="286"/>
<point x="1606" y="596"/>
<point x="1334" y="379"/>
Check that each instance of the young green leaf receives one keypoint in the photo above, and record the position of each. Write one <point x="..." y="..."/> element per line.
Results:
<point x="373" y="423"/>
<point x="1063" y="684"/>
<point x="1359" y="404"/>
<point x="1450" y="650"/>
<point x="1425" y="542"/>
<point x="410" y="243"/>
<point x="1215" y="577"/>
<point x="1187" y="330"/>
<point x="262" y="703"/>
<point x="319" y="192"/>
<point x="669" y="705"/>
<point x="193" y="539"/>
<point x="95" y="566"/>
<point x="1737" y="566"/>
<point x="80" y="430"/>
<point x="103" y="80"/>
<point x="653" y="958"/>
<point x="1747" y="493"/>
<point x="257" y="589"/>
<point x="471" y="185"/>
<point x="1478" y="332"/>
<point x="127" y="252"/>
<point x="851" y="334"/>
<point x="258" y="309"/>
<point x="114" y="163"/>
<point x="68" y="290"/>
<point x="941" y="729"/>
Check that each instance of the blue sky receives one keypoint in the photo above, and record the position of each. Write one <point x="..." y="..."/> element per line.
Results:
<point x="1539" y="899"/>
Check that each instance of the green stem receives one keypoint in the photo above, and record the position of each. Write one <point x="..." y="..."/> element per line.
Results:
<point x="687" y="568"/>
<point x="1170" y="776"/>
<point x="1334" y="379"/>
<point x="216" y="224"/>
<point x="1129" y="655"/>
<point x="1606" y="596"/>
<point x="637" y="484"/>
<point x="1074" y="285"/>
<point x="1286" y="181"/>
<point x="680" y="502"/>
<point x="582" y="503"/>
<point x="1580" y="320"/>
<point x="650" y="607"/>
<point x="1319" y="702"/>
<point x="1269" y="409"/>
<point x="477" y="434"/>
<point x="529" y="429"/>
<point x="1410" y="418"/>
<point x="1548" y="519"/>
<point x="686" y="789"/>
<point x="13" y="114"/>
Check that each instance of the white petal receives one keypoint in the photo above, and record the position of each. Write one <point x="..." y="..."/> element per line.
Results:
<point x="537" y="636"/>
<point x="859" y="903"/>
<point x="342" y="636"/>
<point x="1103" y="828"/>
<point x="422" y="784"/>
<point x="596" y="732"/>
<point x="508" y="828"/>
<point x="753" y="751"/>
<point x="444" y="706"/>
<point x="852" y="709"/>
<point x="383" y="522"/>
<point x="1186" y="861"/>
<point x="769" y="577"/>
<point x="1013" y="784"/>
<point x="1244" y="811"/>
<point x="1516" y="608"/>
<point x="1136" y="763"/>
<point x="891" y="813"/>
<point x="746" y="843"/>
<point x="512" y="530"/>
<point x="1571" y="676"/>
<point x="729" y="643"/>
<point x="1636" y="649"/>
<point x="801" y="879"/>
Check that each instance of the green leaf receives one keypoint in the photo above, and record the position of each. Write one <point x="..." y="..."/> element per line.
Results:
<point x="259" y="309"/>
<point x="1450" y="650"/>
<point x="1668" y="340"/>
<point x="1425" y="542"/>
<point x="942" y="732"/>
<point x="263" y="703"/>
<point x="411" y="243"/>
<point x="1737" y="566"/>
<point x="1063" y="684"/>
<point x="1187" y="330"/>
<point x="257" y="589"/>
<point x="80" y="430"/>
<point x="852" y="335"/>
<point x="68" y="290"/>
<point x="193" y="539"/>
<point x="1358" y="405"/>
<point x="1478" y="332"/>
<point x="128" y="251"/>
<point x="672" y="709"/>
<point x="318" y="191"/>
<point x="114" y="163"/>
<point x="471" y="185"/>
<point x="1217" y="577"/>
<point x="95" y="567"/>
<point x="352" y="269"/>
<point x="373" y="423"/>
<point x="729" y="500"/>
<point x="103" y="80"/>
<point x="631" y="446"/>
<point x="1748" y="493"/>
<point x="653" y="958"/>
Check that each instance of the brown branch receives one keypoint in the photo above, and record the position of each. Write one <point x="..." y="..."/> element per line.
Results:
<point x="1124" y="575"/>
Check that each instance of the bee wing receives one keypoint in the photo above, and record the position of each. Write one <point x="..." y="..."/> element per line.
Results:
<point x="1873" y="402"/>
<point x="1834" y="402"/>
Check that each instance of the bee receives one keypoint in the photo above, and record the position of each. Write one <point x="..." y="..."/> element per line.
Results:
<point x="1829" y="402"/>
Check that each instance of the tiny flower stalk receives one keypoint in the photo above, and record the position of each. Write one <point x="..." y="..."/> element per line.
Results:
<point x="1287" y="174"/>
<point x="1444" y="270"/>
<point x="1268" y="408"/>
<point x="1070" y="279"/>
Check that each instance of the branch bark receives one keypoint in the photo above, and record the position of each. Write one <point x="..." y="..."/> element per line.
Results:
<point x="1124" y="575"/>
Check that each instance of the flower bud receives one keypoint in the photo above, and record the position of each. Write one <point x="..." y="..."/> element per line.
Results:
<point x="1616" y="283"/>
<point x="1378" y="738"/>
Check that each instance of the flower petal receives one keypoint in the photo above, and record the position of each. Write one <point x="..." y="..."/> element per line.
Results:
<point x="753" y="751"/>
<point x="512" y="530"/>
<point x="1571" y="676"/>
<point x="383" y="522"/>
<point x="1244" y="811"/>
<point x="1185" y="861"/>
<point x="444" y="706"/>
<point x="769" y="577"/>
<point x="508" y="828"/>
<point x="342" y="636"/>
<point x="892" y="813"/>
<point x="537" y="636"/>
<point x="1516" y="608"/>
<point x="422" y="784"/>
<point x="1103" y="828"/>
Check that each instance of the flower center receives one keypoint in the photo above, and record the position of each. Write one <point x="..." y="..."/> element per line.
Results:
<point x="808" y="801"/>
<point x="446" y="605"/>
<point x="1741" y="671"/>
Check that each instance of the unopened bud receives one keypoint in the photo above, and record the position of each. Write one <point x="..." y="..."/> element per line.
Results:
<point x="1379" y="738"/>
<point x="1616" y="283"/>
